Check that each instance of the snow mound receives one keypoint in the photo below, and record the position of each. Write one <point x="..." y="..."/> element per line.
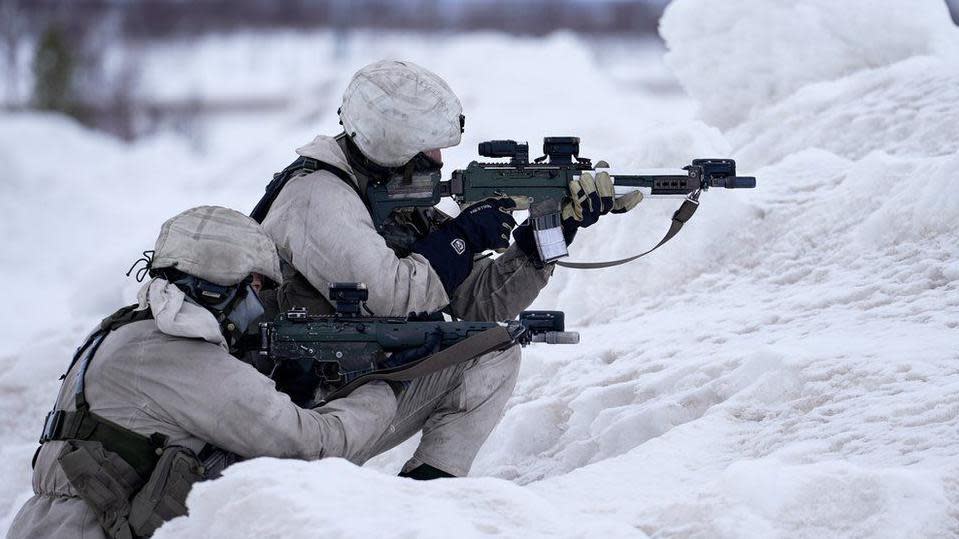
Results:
<point x="739" y="57"/>
<point x="332" y="498"/>
<point x="828" y="499"/>
<point x="904" y="109"/>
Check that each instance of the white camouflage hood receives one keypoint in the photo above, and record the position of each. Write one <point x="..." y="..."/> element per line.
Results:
<point x="176" y="316"/>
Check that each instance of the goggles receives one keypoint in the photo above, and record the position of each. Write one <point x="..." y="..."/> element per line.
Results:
<point x="238" y="304"/>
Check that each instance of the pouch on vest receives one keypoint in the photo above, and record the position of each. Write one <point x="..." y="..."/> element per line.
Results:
<point x="133" y="494"/>
<point x="163" y="497"/>
<point x="104" y="481"/>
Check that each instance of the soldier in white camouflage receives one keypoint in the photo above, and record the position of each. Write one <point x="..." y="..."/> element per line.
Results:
<point x="162" y="380"/>
<point x="396" y="117"/>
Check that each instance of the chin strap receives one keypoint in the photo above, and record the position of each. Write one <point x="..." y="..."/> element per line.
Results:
<point x="680" y="216"/>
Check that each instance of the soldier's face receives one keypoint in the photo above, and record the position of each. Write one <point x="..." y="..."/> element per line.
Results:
<point x="435" y="155"/>
<point x="418" y="178"/>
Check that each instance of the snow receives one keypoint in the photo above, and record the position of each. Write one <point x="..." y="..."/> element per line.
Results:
<point x="786" y="367"/>
<point x="484" y="507"/>
<point x="737" y="58"/>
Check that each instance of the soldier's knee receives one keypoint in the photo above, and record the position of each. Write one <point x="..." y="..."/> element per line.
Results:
<point x="512" y="358"/>
<point x="505" y="361"/>
<point x="493" y="374"/>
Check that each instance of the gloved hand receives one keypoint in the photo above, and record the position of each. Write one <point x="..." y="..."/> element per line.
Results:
<point x="487" y="224"/>
<point x="590" y="197"/>
<point x="480" y="227"/>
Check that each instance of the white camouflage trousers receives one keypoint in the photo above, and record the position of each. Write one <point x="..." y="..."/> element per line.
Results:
<point x="456" y="409"/>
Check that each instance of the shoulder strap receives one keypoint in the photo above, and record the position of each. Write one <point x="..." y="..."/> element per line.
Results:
<point x="124" y="316"/>
<point x="136" y="449"/>
<point x="281" y="178"/>
<point x="680" y="217"/>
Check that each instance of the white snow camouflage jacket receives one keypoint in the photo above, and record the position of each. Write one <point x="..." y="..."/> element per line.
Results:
<point x="173" y="376"/>
<point x="324" y="231"/>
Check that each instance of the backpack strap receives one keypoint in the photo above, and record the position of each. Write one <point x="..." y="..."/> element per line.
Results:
<point x="140" y="451"/>
<point x="306" y="165"/>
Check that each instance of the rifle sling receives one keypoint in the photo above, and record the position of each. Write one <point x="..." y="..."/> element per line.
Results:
<point x="680" y="216"/>
<point x="492" y="339"/>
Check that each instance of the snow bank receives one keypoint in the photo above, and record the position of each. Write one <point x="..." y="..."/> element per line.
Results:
<point x="830" y="499"/>
<point x="802" y="333"/>
<point x="738" y="57"/>
<point x="333" y="498"/>
<point x="905" y="109"/>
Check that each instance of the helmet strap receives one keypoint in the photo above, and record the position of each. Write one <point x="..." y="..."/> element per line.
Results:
<point x="362" y="164"/>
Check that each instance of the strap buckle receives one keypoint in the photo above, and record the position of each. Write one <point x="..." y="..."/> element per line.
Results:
<point x="52" y="425"/>
<point x="693" y="196"/>
<point x="309" y="164"/>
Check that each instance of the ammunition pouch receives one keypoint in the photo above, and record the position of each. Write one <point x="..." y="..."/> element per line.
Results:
<point x="296" y="291"/>
<point x="133" y="483"/>
<point x="125" y="505"/>
<point x="103" y="480"/>
<point x="163" y="497"/>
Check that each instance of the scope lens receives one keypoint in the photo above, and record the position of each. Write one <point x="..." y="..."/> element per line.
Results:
<point x="497" y="148"/>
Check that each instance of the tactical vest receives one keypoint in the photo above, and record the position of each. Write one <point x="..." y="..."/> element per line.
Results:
<point x="132" y="482"/>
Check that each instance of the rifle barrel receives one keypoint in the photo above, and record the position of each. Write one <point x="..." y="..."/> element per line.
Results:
<point x="664" y="182"/>
<point x="734" y="182"/>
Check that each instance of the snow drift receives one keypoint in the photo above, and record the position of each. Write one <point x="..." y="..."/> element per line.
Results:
<point x="786" y="367"/>
<point x="739" y="57"/>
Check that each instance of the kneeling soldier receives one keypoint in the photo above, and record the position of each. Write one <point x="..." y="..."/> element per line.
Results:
<point x="155" y="384"/>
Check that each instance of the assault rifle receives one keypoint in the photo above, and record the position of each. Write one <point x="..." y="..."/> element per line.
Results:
<point x="331" y="355"/>
<point x="545" y="182"/>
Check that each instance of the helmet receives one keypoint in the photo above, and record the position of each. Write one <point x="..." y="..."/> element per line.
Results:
<point x="216" y="244"/>
<point x="394" y="110"/>
<point x="210" y="252"/>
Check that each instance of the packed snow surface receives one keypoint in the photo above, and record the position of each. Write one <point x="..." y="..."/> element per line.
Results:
<point x="787" y="367"/>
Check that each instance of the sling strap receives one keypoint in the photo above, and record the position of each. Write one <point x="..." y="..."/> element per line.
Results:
<point x="303" y="164"/>
<point x="680" y="216"/>
<point x="139" y="451"/>
<point x="491" y="340"/>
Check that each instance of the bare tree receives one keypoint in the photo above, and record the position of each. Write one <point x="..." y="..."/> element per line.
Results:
<point x="13" y="30"/>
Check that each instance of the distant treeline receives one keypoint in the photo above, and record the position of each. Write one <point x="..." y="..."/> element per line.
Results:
<point x="162" y="18"/>
<point x="63" y="43"/>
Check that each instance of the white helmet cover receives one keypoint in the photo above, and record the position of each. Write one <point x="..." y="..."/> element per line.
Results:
<point x="395" y="110"/>
<point x="216" y="244"/>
